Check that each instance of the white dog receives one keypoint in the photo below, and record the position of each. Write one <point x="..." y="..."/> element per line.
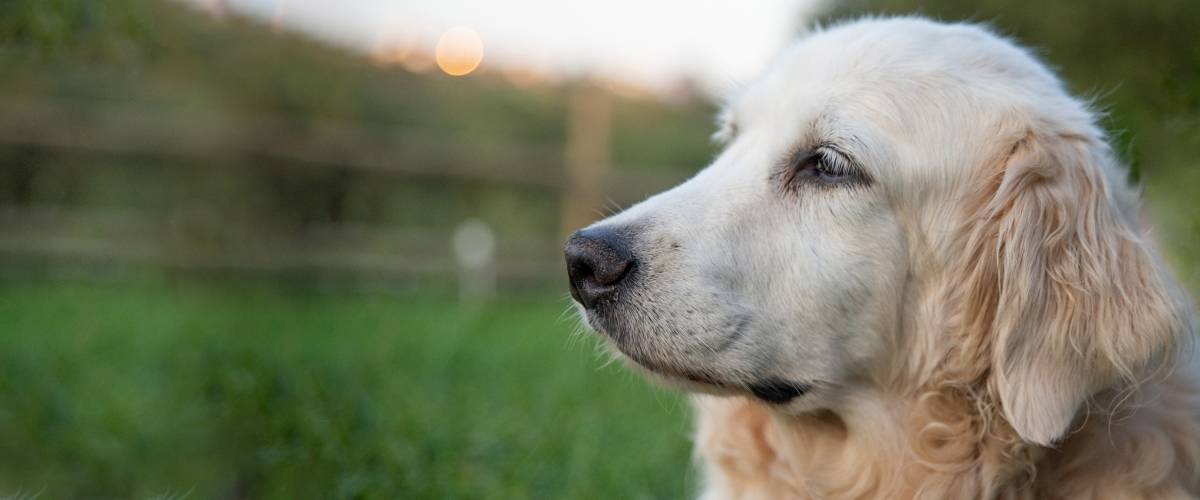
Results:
<point x="914" y="271"/>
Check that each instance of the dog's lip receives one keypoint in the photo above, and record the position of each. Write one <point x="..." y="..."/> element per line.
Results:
<point x="778" y="391"/>
<point x="771" y="390"/>
<point x="672" y="372"/>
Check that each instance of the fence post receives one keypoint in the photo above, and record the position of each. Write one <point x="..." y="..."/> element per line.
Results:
<point x="586" y="155"/>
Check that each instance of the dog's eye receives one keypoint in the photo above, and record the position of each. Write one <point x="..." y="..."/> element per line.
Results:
<point x="830" y="169"/>
<point x="821" y="167"/>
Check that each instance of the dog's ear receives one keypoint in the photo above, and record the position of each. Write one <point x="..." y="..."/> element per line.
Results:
<point x="1061" y="285"/>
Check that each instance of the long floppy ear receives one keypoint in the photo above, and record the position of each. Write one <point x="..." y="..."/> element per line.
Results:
<point x="1062" y="286"/>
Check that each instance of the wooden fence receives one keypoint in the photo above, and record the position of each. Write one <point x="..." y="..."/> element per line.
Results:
<point x="577" y="174"/>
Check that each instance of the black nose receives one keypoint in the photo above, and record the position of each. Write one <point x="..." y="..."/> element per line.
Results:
<point x="597" y="260"/>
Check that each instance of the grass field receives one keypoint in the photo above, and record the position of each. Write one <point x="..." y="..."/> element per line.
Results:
<point x="145" y="390"/>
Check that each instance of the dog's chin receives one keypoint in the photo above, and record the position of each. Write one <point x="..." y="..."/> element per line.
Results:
<point x="677" y="383"/>
<point x="669" y="375"/>
<point x="680" y="380"/>
<point x="679" y="375"/>
<point x="789" y="397"/>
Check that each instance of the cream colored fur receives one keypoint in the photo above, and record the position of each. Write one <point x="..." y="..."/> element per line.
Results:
<point x="984" y="319"/>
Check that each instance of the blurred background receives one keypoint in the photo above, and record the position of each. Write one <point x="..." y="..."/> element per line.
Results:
<point x="311" y="249"/>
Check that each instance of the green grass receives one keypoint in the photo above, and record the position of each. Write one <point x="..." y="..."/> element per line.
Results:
<point x="147" y="390"/>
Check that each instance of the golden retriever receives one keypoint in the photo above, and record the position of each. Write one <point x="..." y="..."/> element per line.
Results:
<point x="914" y="271"/>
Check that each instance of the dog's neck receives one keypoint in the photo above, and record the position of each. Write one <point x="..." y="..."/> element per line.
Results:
<point x="878" y="445"/>
<point x="865" y="449"/>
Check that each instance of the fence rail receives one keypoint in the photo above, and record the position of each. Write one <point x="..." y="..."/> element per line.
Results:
<point x="136" y="129"/>
<point x="142" y="131"/>
<point x="129" y="238"/>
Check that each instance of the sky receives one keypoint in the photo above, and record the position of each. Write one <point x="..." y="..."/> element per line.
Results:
<point x="650" y="43"/>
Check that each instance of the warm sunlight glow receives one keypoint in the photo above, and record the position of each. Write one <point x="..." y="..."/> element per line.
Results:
<point x="459" y="51"/>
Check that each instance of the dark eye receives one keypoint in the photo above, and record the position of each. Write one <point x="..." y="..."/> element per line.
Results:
<point x="820" y="167"/>
<point x="830" y="169"/>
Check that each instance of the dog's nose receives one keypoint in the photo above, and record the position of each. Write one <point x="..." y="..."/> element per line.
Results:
<point x="597" y="260"/>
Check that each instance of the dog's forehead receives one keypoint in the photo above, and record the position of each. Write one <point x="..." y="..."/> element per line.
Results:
<point x="870" y="64"/>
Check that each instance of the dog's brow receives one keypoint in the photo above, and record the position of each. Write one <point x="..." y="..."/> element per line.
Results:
<point x="825" y="131"/>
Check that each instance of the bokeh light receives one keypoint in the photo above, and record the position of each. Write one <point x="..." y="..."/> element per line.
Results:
<point x="459" y="51"/>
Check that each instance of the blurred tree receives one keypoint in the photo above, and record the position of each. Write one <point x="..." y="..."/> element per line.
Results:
<point x="111" y="29"/>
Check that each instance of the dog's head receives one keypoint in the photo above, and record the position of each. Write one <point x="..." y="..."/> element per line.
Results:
<point x="895" y="196"/>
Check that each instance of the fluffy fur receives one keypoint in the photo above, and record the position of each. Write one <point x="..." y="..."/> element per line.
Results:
<point x="978" y="315"/>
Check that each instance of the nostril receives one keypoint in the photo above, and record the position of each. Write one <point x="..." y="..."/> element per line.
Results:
<point x="578" y="273"/>
<point x="610" y="271"/>
<point x="598" y="259"/>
